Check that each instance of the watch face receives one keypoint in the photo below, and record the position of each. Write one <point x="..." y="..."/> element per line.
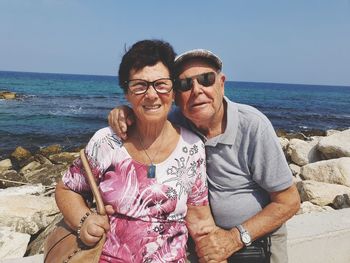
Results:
<point x="246" y="238"/>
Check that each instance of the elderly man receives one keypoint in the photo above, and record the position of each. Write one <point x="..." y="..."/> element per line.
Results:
<point x="250" y="184"/>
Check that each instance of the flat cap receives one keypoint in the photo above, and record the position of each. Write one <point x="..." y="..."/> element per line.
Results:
<point x="198" y="53"/>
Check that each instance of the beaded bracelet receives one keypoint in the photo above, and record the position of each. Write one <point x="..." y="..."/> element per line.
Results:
<point x="82" y="220"/>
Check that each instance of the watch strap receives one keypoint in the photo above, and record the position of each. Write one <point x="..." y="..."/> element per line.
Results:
<point x="241" y="229"/>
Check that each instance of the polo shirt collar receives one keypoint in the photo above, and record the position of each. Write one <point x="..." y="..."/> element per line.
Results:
<point x="229" y="136"/>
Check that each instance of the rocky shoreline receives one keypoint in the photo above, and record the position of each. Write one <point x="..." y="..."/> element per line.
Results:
<point x="319" y="162"/>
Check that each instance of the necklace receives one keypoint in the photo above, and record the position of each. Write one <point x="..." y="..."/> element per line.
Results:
<point x="151" y="170"/>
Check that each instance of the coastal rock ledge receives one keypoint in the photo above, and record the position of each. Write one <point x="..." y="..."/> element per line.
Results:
<point x="320" y="166"/>
<point x="7" y="95"/>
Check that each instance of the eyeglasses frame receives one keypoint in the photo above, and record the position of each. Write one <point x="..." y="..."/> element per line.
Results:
<point x="149" y="83"/>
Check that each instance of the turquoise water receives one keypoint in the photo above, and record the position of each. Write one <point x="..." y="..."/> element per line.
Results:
<point x="296" y="107"/>
<point x="67" y="109"/>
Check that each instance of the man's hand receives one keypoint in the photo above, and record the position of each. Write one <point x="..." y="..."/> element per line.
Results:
<point x="93" y="228"/>
<point x="119" y="119"/>
<point x="218" y="245"/>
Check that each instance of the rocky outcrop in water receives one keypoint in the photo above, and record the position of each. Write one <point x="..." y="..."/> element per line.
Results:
<point x="8" y="95"/>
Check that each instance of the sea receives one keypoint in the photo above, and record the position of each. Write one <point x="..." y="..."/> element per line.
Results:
<point x="67" y="109"/>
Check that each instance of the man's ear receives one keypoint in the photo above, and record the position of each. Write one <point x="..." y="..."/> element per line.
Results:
<point x="222" y="80"/>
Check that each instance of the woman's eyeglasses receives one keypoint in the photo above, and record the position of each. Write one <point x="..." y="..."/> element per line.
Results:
<point x="140" y="86"/>
<point x="205" y="79"/>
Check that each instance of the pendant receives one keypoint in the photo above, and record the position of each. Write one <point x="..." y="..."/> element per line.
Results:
<point x="151" y="172"/>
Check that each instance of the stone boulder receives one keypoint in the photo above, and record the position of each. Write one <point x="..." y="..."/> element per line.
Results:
<point x="63" y="158"/>
<point x="36" y="189"/>
<point x="320" y="194"/>
<point x="342" y="201"/>
<point x="336" y="145"/>
<point x="331" y="132"/>
<point x="12" y="244"/>
<point x="27" y="213"/>
<point x="334" y="171"/>
<point x="308" y="207"/>
<point x="52" y="149"/>
<point x="303" y="152"/>
<point x="5" y="165"/>
<point x="46" y="174"/>
<point x="7" y="95"/>
<point x="40" y="159"/>
<point x="295" y="169"/>
<point x="30" y="167"/>
<point x="32" y="163"/>
<point x="20" y="155"/>
<point x="284" y="142"/>
<point x="37" y="245"/>
<point x="11" y="178"/>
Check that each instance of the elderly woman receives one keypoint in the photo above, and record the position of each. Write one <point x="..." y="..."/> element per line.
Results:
<point x="155" y="180"/>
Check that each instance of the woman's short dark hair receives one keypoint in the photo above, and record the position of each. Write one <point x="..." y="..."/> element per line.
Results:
<point x="145" y="53"/>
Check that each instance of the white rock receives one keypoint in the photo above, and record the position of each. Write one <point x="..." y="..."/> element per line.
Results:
<point x="303" y="152"/>
<point x="46" y="174"/>
<point x="284" y="143"/>
<point x="336" y="145"/>
<point x="331" y="132"/>
<point x="27" y="213"/>
<point x="308" y="207"/>
<point x="296" y="179"/>
<point x="320" y="193"/>
<point x="12" y="244"/>
<point x="295" y="169"/>
<point x="5" y="165"/>
<point x="30" y="167"/>
<point x="22" y="190"/>
<point x="334" y="171"/>
<point x="30" y="259"/>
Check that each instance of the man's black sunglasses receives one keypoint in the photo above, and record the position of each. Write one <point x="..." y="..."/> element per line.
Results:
<point x="204" y="79"/>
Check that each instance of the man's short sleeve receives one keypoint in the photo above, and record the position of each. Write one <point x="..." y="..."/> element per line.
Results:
<point x="268" y="163"/>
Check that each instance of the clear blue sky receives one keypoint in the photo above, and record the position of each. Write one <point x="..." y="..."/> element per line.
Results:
<point x="296" y="41"/>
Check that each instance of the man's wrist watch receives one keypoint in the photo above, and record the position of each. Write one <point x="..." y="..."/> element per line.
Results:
<point x="245" y="236"/>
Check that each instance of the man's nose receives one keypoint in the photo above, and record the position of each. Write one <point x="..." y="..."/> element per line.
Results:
<point x="196" y="87"/>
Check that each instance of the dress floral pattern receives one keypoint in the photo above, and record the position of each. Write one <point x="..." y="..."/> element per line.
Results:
<point x="148" y="225"/>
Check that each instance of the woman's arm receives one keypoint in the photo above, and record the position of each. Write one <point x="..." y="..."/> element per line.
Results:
<point x="200" y="222"/>
<point x="73" y="207"/>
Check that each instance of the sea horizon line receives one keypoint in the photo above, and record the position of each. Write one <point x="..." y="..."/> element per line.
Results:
<point x="115" y="76"/>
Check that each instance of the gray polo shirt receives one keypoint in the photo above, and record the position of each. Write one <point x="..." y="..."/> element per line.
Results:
<point x="243" y="165"/>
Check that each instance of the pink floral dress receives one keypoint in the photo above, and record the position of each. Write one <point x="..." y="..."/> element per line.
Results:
<point x="148" y="225"/>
